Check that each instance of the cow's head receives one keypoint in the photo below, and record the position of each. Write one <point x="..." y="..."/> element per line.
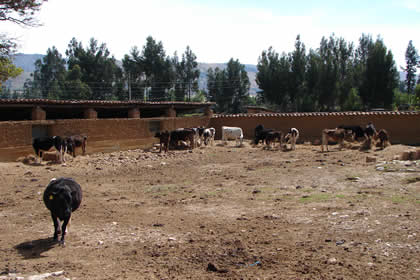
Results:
<point x="70" y="146"/>
<point x="61" y="202"/>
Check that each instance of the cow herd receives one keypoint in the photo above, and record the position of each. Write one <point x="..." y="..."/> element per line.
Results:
<point x="367" y="135"/>
<point x="194" y="137"/>
<point x="63" y="195"/>
<point x="62" y="145"/>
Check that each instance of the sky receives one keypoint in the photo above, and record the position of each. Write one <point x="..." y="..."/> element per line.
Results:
<point x="217" y="30"/>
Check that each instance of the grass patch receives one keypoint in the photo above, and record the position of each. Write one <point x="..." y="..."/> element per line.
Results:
<point x="161" y="189"/>
<point x="340" y="196"/>
<point x="399" y="199"/>
<point x="315" y="198"/>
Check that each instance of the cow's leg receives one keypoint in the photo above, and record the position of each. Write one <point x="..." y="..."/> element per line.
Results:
<point x="63" y="230"/>
<point x="56" y="226"/>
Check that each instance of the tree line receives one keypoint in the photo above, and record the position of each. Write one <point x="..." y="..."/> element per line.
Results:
<point x="337" y="76"/>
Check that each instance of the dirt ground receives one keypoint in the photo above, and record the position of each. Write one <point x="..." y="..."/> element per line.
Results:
<point x="218" y="212"/>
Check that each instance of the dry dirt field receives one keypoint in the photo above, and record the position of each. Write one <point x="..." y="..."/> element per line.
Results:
<point x="218" y="212"/>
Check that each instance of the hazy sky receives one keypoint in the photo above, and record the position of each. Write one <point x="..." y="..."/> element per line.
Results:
<point x="218" y="30"/>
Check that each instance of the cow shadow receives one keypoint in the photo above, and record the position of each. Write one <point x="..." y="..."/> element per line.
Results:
<point x="35" y="248"/>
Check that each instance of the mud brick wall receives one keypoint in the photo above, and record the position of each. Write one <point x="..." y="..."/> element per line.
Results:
<point x="403" y="128"/>
<point x="104" y="135"/>
<point x="15" y="134"/>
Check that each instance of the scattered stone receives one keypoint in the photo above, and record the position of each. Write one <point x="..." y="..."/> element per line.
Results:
<point x="211" y="267"/>
<point x="354" y="179"/>
<point x="256" y="191"/>
<point x="340" y="242"/>
<point x="332" y="261"/>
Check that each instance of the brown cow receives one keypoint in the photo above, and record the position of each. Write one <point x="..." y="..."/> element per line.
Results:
<point x="383" y="136"/>
<point x="336" y="135"/>
<point x="75" y="141"/>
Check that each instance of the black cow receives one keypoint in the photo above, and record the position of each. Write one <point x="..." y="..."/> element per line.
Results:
<point x="272" y="137"/>
<point x="62" y="196"/>
<point x="208" y="135"/>
<point x="370" y="130"/>
<point x="164" y="139"/>
<point x="199" y="131"/>
<point x="45" y="143"/>
<point x="72" y="142"/>
<point x="261" y="134"/>
<point x="182" y="134"/>
<point x="357" y="131"/>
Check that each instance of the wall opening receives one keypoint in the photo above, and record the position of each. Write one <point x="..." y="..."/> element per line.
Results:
<point x="39" y="131"/>
<point x="154" y="126"/>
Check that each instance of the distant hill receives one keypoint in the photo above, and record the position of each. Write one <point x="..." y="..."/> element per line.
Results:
<point x="27" y="63"/>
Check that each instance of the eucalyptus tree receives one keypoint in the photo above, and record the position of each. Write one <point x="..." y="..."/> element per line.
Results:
<point x="310" y="101"/>
<point x="134" y="74"/>
<point x="157" y="68"/>
<point x="99" y="69"/>
<point x="328" y="83"/>
<point x="379" y="76"/>
<point x="216" y="83"/>
<point x="74" y="87"/>
<point x="229" y="87"/>
<point x="186" y="74"/>
<point x="297" y="73"/>
<point x="238" y="87"/>
<point x="273" y="77"/>
<point x="50" y="74"/>
<point x="412" y="62"/>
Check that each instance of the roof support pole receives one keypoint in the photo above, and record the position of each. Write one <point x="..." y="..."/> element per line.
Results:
<point x="90" y="113"/>
<point x="38" y="114"/>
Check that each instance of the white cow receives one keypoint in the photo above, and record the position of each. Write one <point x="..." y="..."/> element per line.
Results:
<point x="232" y="133"/>
<point x="291" y="137"/>
<point x="209" y="134"/>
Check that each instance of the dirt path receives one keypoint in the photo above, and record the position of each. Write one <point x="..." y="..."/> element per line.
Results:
<point x="219" y="212"/>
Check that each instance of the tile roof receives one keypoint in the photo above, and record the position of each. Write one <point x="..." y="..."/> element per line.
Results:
<point x="97" y="102"/>
<point x="326" y="114"/>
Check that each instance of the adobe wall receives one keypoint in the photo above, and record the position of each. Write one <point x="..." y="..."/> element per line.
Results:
<point x="403" y="128"/>
<point x="107" y="135"/>
<point x="104" y="135"/>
